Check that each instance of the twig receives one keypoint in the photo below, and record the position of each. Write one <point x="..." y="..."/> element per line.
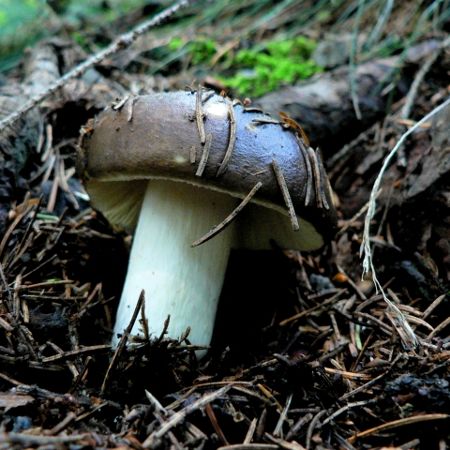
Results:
<point x="89" y="413"/>
<point x="131" y="109"/>
<point x="215" y="423"/>
<point x="278" y="431"/>
<point x="231" y="140"/>
<point x="218" y="228"/>
<point x="433" y="306"/>
<point x="439" y="328"/>
<point x="264" y="120"/>
<point x="365" y="386"/>
<point x="284" y="444"/>
<point x="205" y="155"/>
<point x="159" y="412"/>
<point x="410" y="444"/>
<point x="120" y="43"/>
<point x="398" y="423"/>
<point x="199" y="115"/>
<point x="351" y="222"/>
<point x="322" y="181"/>
<point x="315" y="175"/>
<point x="63" y="424"/>
<point x="180" y="416"/>
<point x="250" y="447"/>
<point x="72" y="353"/>
<point x="352" y="67"/>
<point x="123" y="340"/>
<point x="346" y="408"/>
<point x="410" y="98"/>
<point x="155" y="402"/>
<point x="251" y="431"/>
<point x="29" y="439"/>
<point x="366" y="250"/>
<point x="119" y="104"/>
<point x="312" y="426"/>
<point x="303" y="420"/>
<point x="309" y="174"/>
<point x="306" y="312"/>
<point x="380" y="25"/>
<point x="346" y="374"/>
<point x="286" y="196"/>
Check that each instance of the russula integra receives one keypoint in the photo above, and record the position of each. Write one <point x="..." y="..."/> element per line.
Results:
<point x="171" y="167"/>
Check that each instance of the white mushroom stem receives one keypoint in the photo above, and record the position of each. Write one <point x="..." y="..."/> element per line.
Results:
<point x="178" y="280"/>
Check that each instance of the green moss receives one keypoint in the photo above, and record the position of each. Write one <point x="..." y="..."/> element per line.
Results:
<point x="260" y="69"/>
<point x="200" y="51"/>
<point x="264" y="68"/>
<point x="175" y="44"/>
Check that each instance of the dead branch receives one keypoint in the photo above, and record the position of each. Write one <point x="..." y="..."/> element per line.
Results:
<point x="120" y="43"/>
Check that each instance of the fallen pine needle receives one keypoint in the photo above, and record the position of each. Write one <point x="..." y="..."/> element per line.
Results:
<point x="366" y="250"/>
<point x="398" y="423"/>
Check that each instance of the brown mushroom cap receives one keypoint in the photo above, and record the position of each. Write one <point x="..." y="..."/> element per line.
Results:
<point x="153" y="136"/>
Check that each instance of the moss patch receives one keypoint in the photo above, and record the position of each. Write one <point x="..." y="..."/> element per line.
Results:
<point x="256" y="70"/>
<point x="264" y="68"/>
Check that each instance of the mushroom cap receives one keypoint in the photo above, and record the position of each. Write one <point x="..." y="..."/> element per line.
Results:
<point x="154" y="137"/>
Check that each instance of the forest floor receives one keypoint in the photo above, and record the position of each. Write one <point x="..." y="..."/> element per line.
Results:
<point x="305" y="353"/>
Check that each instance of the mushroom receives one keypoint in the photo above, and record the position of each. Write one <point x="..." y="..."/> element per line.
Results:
<point x="174" y="166"/>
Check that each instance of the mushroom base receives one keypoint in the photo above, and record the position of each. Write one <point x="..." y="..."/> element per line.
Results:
<point x="179" y="281"/>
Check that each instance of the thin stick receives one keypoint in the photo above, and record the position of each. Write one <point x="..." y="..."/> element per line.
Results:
<point x="123" y="340"/>
<point x="439" y="328"/>
<point x="298" y="425"/>
<point x="160" y="412"/>
<point x="313" y="424"/>
<point x="351" y="222"/>
<point x="251" y="431"/>
<point x="410" y="98"/>
<point x="287" y="197"/>
<point x="79" y="351"/>
<point x="380" y="25"/>
<point x="366" y="249"/>
<point x="352" y="74"/>
<point x="344" y="409"/>
<point x="309" y="178"/>
<point x="322" y="180"/>
<point x="117" y="106"/>
<point x="205" y="156"/>
<point x="278" y="431"/>
<point x="316" y="175"/>
<point x="121" y="43"/>
<point x="28" y="440"/>
<point x="250" y="446"/>
<point x="265" y="121"/>
<point x="155" y="402"/>
<point x="218" y="228"/>
<point x="63" y="424"/>
<point x="398" y="423"/>
<point x="199" y="115"/>
<point x="131" y="109"/>
<point x="215" y="423"/>
<point x="181" y="415"/>
<point x="433" y="306"/>
<point x="231" y="140"/>
<point x="363" y="387"/>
